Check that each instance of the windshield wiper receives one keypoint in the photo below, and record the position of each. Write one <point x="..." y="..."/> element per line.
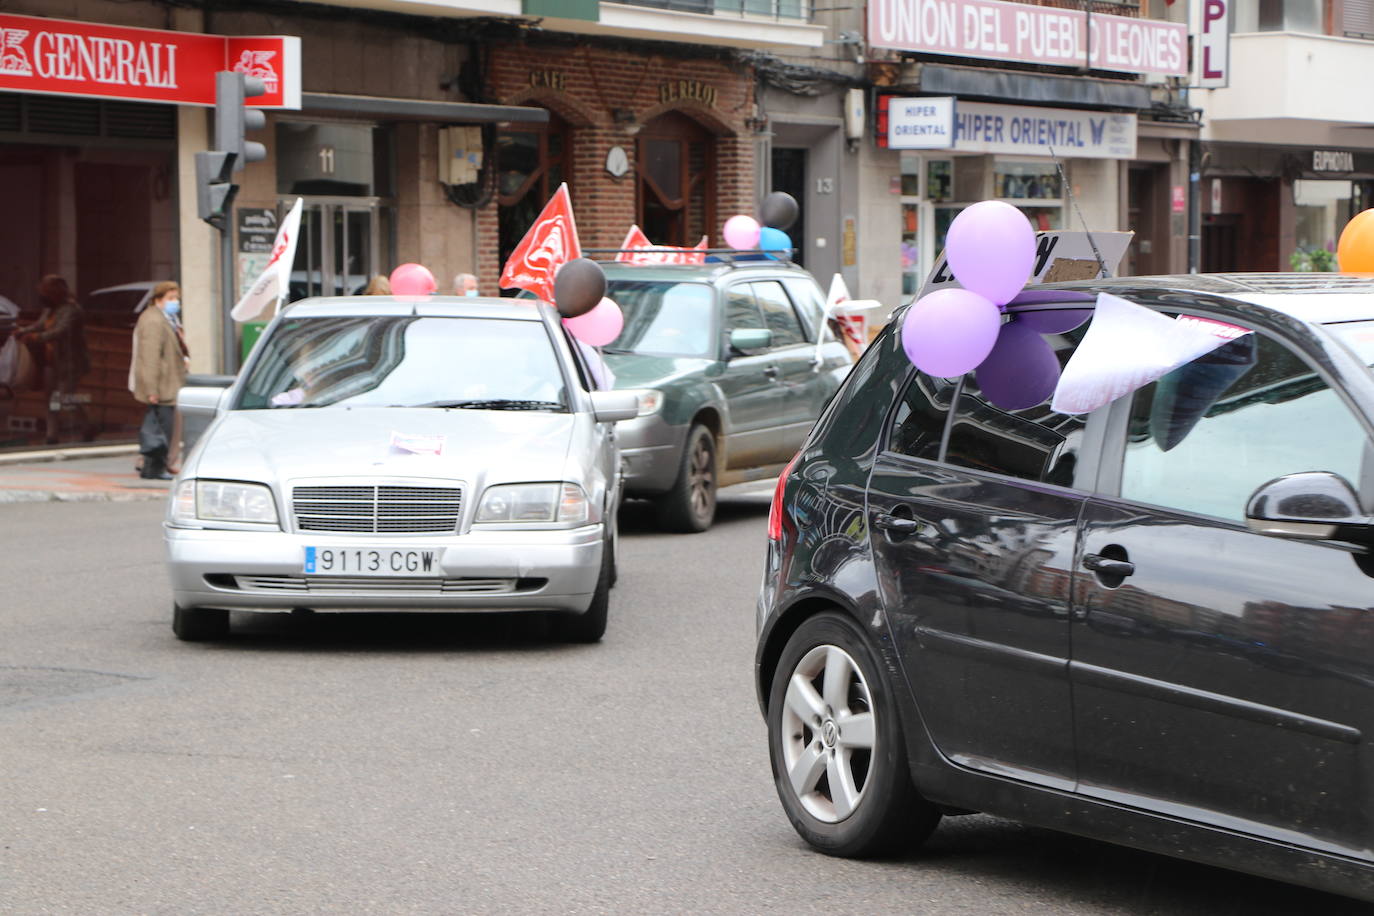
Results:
<point x="496" y="404"/>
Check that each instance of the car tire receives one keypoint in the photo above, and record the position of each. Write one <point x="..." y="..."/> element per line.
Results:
<point x="832" y="718"/>
<point x="198" y="624"/>
<point x="690" y="506"/>
<point x="590" y="625"/>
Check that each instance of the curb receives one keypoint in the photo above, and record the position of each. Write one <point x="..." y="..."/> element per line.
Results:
<point x="10" y="497"/>
<point x="68" y="454"/>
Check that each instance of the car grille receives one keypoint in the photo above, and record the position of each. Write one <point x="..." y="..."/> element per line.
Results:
<point x="377" y="509"/>
<point x="344" y="585"/>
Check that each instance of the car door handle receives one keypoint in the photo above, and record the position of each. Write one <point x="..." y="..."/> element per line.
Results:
<point x="897" y="524"/>
<point x="771" y="371"/>
<point x="1107" y="566"/>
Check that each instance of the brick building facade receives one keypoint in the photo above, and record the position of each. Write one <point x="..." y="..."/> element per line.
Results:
<point x="602" y="98"/>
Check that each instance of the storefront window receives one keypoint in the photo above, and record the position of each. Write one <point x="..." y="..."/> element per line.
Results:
<point x="99" y="212"/>
<point x="1322" y="208"/>
<point x="531" y="163"/>
<point x="1278" y="16"/>
<point x="1034" y="187"/>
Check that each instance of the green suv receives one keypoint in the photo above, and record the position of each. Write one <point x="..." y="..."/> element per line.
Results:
<point x="732" y="362"/>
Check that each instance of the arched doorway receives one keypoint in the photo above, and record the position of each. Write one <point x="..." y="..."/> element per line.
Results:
<point x="677" y="180"/>
<point x="532" y="162"/>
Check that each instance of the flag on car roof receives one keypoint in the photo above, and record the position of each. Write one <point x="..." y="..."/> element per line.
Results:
<point x="549" y="244"/>
<point x="637" y="249"/>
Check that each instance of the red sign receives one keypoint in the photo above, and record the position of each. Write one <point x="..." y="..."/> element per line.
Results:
<point x="1179" y="199"/>
<point x="64" y="57"/>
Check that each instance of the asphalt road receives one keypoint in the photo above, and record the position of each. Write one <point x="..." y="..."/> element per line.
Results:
<point x="408" y="764"/>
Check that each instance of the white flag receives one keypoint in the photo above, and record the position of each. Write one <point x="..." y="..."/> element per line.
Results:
<point x="274" y="282"/>
<point x="1127" y="347"/>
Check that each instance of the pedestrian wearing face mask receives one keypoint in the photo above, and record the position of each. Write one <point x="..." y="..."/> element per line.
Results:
<point x="158" y="372"/>
<point x="465" y="285"/>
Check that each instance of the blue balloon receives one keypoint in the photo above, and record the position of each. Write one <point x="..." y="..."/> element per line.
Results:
<point x="775" y="243"/>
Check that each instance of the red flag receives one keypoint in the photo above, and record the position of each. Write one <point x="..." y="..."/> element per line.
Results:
<point x="635" y="240"/>
<point x="549" y="244"/>
<point x="637" y="249"/>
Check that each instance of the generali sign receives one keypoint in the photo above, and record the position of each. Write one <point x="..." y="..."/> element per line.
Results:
<point x="996" y="30"/>
<point x="63" y="57"/>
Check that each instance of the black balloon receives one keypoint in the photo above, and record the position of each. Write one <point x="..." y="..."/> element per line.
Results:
<point x="779" y="210"/>
<point x="578" y="286"/>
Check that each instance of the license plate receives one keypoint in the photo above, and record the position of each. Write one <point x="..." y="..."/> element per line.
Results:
<point x="372" y="561"/>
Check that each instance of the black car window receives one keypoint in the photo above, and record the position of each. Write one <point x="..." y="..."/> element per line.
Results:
<point x="1035" y="443"/>
<point x="741" y="311"/>
<point x="779" y="314"/>
<point x="1204" y="437"/>
<point x="918" y="422"/>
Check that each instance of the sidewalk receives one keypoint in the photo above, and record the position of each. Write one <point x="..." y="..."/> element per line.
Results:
<point x="99" y="473"/>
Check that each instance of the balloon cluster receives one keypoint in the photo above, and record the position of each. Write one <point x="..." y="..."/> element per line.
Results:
<point x="768" y="233"/>
<point x="990" y="249"/>
<point x="1355" y="250"/>
<point x="579" y="293"/>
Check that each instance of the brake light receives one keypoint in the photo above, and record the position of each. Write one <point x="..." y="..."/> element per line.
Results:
<point x="775" y="510"/>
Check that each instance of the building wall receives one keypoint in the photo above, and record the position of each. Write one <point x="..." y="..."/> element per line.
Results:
<point x="588" y="86"/>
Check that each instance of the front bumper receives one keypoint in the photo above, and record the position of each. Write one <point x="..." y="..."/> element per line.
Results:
<point x="651" y="453"/>
<point x="478" y="571"/>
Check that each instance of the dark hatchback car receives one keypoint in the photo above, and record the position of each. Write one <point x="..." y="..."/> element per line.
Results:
<point x="1152" y="624"/>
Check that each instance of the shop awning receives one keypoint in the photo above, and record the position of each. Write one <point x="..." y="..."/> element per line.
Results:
<point x="419" y="110"/>
<point x="1032" y="88"/>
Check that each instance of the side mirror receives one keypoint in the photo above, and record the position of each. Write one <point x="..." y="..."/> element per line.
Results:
<point x="743" y="340"/>
<point x="200" y="402"/>
<point x="1314" y="504"/>
<point x="613" y="406"/>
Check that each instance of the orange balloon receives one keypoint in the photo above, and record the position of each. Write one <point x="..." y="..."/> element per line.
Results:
<point x="1355" y="251"/>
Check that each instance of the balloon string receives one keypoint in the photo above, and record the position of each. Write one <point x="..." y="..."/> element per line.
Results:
<point x="1073" y="201"/>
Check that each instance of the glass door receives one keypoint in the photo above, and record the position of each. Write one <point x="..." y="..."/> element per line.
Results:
<point x="339" y="248"/>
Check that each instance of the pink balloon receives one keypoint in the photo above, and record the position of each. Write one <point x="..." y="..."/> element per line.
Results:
<point x="990" y="249"/>
<point x="412" y="279"/>
<point x="598" y="327"/>
<point x="950" y="331"/>
<point x="742" y="231"/>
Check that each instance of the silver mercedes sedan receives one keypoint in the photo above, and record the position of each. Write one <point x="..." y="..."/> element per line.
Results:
<point x="442" y="454"/>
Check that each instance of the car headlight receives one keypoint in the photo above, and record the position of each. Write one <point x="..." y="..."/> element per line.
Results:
<point x="561" y="503"/>
<point x="223" y="501"/>
<point x="650" y="400"/>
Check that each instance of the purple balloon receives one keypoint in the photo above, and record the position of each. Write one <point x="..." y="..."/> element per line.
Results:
<point x="1054" y="322"/>
<point x="950" y="331"/>
<point x="990" y="249"/>
<point x="1021" y="371"/>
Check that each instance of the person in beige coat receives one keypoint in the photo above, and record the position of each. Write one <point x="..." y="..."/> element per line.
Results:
<point x="159" y="371"/>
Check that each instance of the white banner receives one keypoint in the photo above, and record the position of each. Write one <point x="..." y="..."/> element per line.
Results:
<point x="1214" y="42"/>
<point x="273" y="284"/>
<point x="920" y="123"/>
<point x="980" y="127"/>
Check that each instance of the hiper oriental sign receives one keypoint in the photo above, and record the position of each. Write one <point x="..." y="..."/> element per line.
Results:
<point x="997" y="30"/>
<point x="65" y="57"/>
<point x="981" y="127"/>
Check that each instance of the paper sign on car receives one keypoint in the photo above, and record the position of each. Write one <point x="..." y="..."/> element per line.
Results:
<point x="1059" y="256"/>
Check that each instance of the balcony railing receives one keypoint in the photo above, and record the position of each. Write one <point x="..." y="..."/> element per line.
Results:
<point x="799" y="10"/>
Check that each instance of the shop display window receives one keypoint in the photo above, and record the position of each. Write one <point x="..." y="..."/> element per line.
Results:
<point x="1021" y="182"/>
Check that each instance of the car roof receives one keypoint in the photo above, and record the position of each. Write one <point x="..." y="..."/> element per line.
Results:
<point x="445" y="306"/>
<point x="685" y="273"/>
<point x="141" y="286"/>
<point x="1315" y="297"/>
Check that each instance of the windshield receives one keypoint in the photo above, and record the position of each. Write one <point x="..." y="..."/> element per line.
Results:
<point x="406" y="361"/>
<point x="663" y="318"/>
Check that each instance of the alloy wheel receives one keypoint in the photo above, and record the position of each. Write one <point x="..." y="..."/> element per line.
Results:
<point x="829" y="733"/>
<point x="701" y="477"/>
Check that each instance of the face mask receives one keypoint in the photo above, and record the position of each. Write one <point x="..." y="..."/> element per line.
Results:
<point x="469" y="292"/>
<point x="172" y="307"/>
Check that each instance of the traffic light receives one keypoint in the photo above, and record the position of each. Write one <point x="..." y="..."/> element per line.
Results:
<point x="233" y="118"/>
<point x="215" y="188"/>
